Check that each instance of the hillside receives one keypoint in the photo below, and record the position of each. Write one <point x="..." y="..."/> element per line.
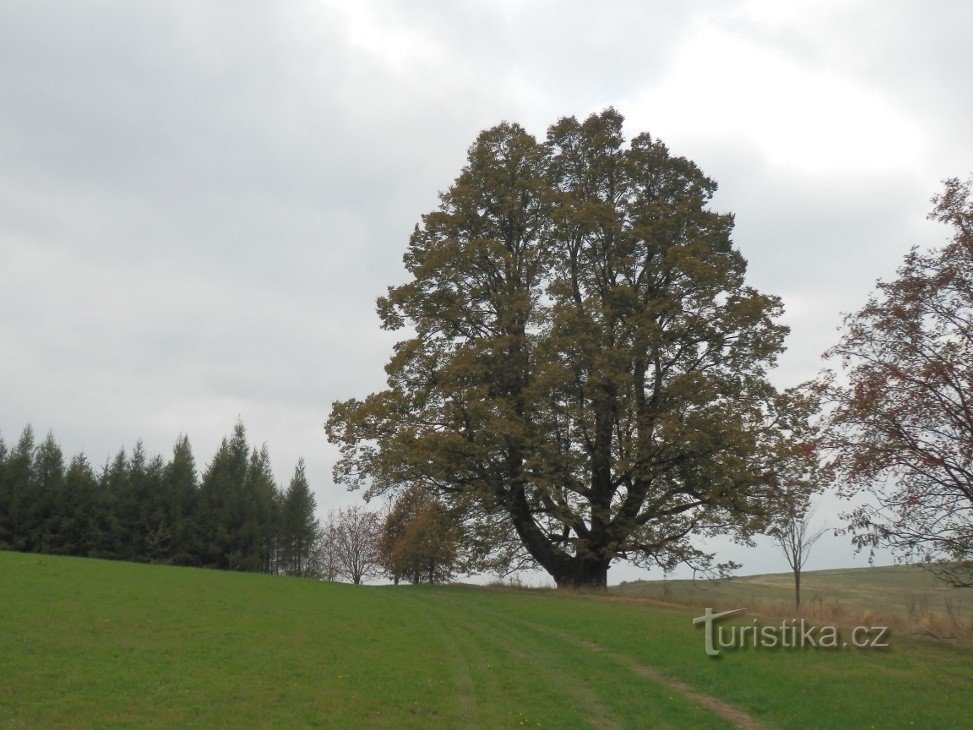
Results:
<point x="895" y="592"/>
<point x="87" y="642"/>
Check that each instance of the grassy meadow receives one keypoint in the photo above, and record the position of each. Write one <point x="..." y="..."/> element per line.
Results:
<point x="907" y="597"/>
<point x="87" y="643"/>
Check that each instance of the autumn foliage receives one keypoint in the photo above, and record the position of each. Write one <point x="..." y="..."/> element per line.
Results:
<point x="901" y="427"/>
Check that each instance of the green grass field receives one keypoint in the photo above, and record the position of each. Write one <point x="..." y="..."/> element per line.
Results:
<point x="89" y="643"/>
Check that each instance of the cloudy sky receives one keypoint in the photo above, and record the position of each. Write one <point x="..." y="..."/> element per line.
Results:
<point x="200" y="202"/>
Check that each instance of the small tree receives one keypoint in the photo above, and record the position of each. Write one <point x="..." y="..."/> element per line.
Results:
<point x="327" y="565"/>
<point x="421" y="539"/>
<point x="902" y="428"/>
<point x="795" y="538"/>
<point x="393" y="528"/>
<point x="356" y="536"/>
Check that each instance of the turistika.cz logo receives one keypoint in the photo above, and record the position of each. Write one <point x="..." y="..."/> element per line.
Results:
<point x="790" y="634"/>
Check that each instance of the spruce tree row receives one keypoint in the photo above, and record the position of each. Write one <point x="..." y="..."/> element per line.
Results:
<point x="148" y="509"/>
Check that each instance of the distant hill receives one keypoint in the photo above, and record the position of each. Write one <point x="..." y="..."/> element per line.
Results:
<point x="893" y="590"/>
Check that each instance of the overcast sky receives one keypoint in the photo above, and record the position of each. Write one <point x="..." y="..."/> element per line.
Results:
<point x="200" y="202"/>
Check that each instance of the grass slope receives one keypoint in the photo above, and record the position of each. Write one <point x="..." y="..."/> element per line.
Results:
<point x="87" y="642"/>
<point x="883" y="591"/>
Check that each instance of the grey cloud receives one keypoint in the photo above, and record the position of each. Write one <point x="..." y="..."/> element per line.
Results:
<point x="199" y="202"/>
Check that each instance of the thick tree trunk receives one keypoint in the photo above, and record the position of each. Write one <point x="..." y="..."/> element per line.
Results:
<point x="568" y="571"/>
<point x="583" y="573"/>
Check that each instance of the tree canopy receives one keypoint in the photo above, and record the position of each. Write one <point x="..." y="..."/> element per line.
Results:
<point x="901" y="424"/>
<point x="584" y="357"/>
<point x="150" y="509"/>
<point x="420" y="540"/>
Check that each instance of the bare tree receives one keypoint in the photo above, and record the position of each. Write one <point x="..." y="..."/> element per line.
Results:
<point x="794" y="537"/>
<point x="355" y="540"/>
<point x="326" y="563"/>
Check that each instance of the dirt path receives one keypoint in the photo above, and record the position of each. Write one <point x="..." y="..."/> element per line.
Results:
<point x="724" y="709"/>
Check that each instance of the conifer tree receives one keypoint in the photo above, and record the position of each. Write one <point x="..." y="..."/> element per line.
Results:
<point x="79" y="510"/>
<point x="300" y="529"/>
<point x="153" y="514"/>
<point x="133" y="506"/>
<point x="260" y="500"/>
<point x="4" y="495"/>
<point x="17" y="481"/>
<point x="143" y="508"/>
<point x="46" y="487"/>
<point x="114" y="488"/>
<point x="221" y="510"/>
<point x="180" y="487"/>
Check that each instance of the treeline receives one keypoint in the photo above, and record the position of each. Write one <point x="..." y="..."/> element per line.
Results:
<point x="150" y="509"/>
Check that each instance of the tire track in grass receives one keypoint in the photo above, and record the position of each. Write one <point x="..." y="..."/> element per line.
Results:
<point x="532" y="654"/>
<point x="738" y="717"/>
<point x="466" y="702"/>
<point x="529" y="631"/>
<point x="731" y="713"/>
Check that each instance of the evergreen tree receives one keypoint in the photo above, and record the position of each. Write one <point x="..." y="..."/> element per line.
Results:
<point x="17" y="480"/>
<point x="144" y="508"/>
<point x="221" y="505"/>
<point x="114" y="489"/>
<point x="46" y="487"/>
<point x="258" y="537"/>
<point x="152" y="516"/>
<point x="180" y="487"/>
<point x="132" y="505"/>
<point x="300" y="529"/>
<point x="80" y="509"/>
<point x="4" y="495"/>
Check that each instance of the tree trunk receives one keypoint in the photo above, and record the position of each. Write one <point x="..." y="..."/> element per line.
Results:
<point x="797" y="589"/>
<point x="583" y="573"/>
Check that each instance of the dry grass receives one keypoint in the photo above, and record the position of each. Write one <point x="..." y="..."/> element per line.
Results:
<point x="905" y="598"/>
